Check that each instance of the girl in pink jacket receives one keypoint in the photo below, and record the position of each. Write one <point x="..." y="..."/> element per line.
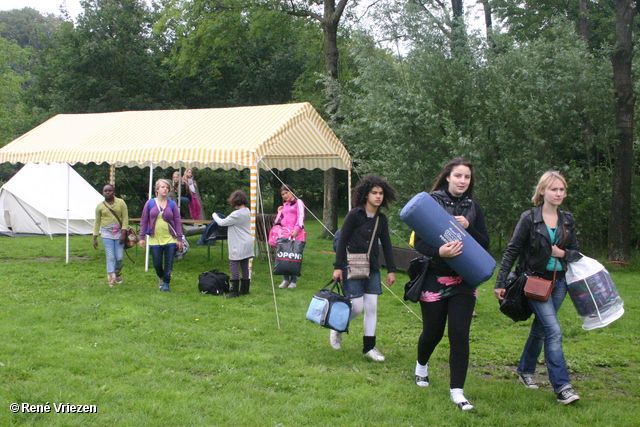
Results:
<point x="291" y="217"/>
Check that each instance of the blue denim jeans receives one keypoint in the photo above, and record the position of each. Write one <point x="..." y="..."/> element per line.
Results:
<point x="169" y="253"/>
<point x="292" y="279"/>
<point x="114" y="252"/>
<point x="546" y="330"/>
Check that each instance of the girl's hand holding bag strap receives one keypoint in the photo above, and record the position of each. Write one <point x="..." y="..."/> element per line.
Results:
<point x="358" y="265"/>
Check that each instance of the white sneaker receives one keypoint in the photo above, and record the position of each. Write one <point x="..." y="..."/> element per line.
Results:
<point x="374" y="354"/>
<point x="284" y="284"/>
<point x="292" y="285"/>
<point x="335" y="338"/>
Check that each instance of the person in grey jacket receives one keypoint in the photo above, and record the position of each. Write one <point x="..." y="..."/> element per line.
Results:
<point x="544" y="241"/>
<point x="239" y="241"/>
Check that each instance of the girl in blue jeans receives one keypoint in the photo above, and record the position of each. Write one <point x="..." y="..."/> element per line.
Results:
<point x="162" y="223"/>
<point x="544" y="241"/>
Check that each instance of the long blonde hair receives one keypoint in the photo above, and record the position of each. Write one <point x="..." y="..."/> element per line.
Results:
<point x="545" y="181"/>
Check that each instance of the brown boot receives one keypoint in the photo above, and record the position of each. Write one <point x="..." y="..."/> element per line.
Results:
<point x="118" y="276"/>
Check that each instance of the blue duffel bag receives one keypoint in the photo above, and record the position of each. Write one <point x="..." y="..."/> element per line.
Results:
<point x="330" y="309"/>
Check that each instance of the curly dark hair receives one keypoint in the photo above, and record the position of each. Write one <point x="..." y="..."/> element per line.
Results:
<point x="441" y="181"/>
<point x="238" y="198"/>
<point x="366" y="184"/>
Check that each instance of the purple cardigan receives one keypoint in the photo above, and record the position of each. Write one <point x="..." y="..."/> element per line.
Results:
<point x="150" y="215"/>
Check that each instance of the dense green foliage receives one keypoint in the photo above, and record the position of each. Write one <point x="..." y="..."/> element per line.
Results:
<point x="533" y="96"/>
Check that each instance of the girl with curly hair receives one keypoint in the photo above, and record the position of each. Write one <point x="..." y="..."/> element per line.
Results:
<point x="370" y="194"/>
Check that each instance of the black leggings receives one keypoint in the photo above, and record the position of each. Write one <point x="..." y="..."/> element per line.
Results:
<point x="459" y="309"/>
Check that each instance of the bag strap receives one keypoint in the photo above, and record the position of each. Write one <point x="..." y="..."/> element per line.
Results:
<point x="113" y="212"/>
<point x="373" y="236"/>
<point x="336" y="284"/>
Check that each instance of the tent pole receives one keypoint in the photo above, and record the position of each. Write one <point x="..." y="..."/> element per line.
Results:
<point x="179" y="186"/>
<point x="146" y="247"/>
<point x="349" y="188"/>
<point x="112" y="175"/>
<point x="253" y="181"/>
<point x="68" y="196"/>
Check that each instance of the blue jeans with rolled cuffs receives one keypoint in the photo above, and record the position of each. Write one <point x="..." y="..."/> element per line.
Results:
<point x="114" y="251"/>
<point x="169" y="253"/>
<point x="546" y="330"/>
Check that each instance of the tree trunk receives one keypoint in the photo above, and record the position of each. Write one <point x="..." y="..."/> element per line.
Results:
<point x="583" y="24"/>
<point x="619" y="246"/>
<point x="488" y="22"/>
<point x="330" y="23"/>
<point x="330" y="210"/>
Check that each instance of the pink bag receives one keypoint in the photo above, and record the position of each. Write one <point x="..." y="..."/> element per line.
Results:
<point x="277" y="232"/>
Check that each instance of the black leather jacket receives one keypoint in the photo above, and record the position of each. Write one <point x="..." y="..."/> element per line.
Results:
<point x="532" y="245"/>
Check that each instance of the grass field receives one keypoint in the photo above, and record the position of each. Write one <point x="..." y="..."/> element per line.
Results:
<point x="149" y="358"/>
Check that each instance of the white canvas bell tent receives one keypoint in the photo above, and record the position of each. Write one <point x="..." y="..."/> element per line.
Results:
<point x="34" y="201"/>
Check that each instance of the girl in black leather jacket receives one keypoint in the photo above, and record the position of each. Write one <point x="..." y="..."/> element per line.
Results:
<point x="544" y="241"/>
<point x="445" y="294"/>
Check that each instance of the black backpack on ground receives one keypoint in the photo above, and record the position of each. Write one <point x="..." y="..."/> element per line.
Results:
<point x="213" y="282"/>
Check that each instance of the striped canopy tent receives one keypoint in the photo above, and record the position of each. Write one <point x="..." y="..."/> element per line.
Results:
<point x="272" y="136"/>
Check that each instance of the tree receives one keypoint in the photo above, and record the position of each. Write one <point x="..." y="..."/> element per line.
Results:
<point x="209" y="69"/>
<point x="110" y="61"/>
<point x="28" y="27"/>
<point x="621" y="60"/>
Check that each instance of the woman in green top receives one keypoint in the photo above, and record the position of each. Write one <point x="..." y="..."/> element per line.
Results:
<point x="112" y="217"/>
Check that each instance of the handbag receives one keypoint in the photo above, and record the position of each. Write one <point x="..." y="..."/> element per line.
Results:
<point x="538" y="288"/>
<point x="358" y="265"/>
<point x="514" y="303"/>
<point x="329" y="308"/>
<point x="289" y="257"/>
<point x="129" y="236"/>
<point x="417" y="272"/>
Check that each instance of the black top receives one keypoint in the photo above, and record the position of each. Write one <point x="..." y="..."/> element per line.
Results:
<point x="356" y="235"/>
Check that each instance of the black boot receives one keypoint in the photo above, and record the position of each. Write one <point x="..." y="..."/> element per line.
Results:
<point x="244" y="286"/>
<point x="233" y="289"/>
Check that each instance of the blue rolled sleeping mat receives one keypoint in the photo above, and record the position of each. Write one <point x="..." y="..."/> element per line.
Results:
<point x="436" y="227"/>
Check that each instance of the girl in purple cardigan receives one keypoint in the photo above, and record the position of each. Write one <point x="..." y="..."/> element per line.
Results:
<point x="291" y="217"/>
<point x="162" y="223"/>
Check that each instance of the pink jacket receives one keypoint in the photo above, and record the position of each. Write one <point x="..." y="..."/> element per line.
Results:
<point x="292" y="215"/>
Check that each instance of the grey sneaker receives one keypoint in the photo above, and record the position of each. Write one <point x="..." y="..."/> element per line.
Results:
<point x="292" y="285"/>
<point x="284" y="284"/>
<point x="374" y="354"/>
<point x="567" y="396"/>
<point x="527" y="381"/>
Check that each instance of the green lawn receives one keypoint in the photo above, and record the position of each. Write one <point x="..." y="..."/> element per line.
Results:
<point x="145" y="357"/>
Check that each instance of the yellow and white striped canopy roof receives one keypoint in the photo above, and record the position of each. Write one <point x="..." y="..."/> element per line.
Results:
<point x="273" y="136"/>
